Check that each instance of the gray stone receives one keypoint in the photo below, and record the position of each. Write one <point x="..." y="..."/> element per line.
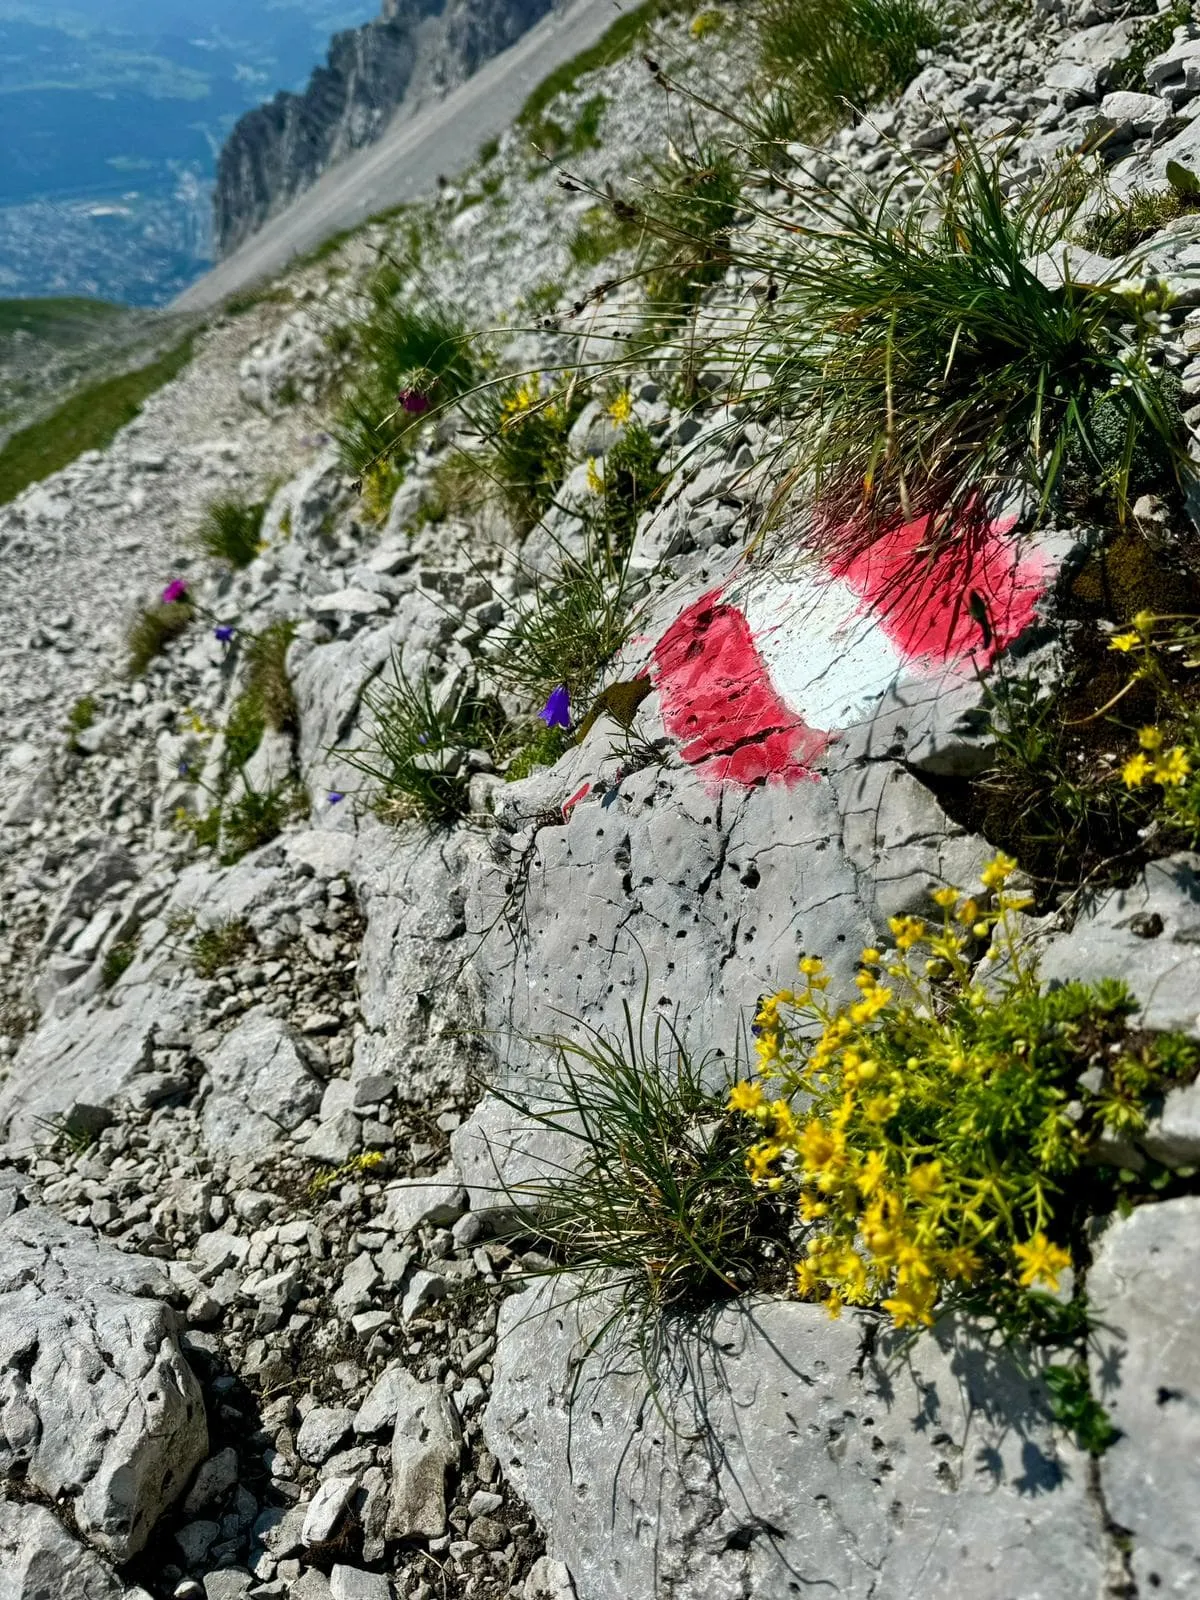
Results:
<point x="352" y="1583"/>
<point x="311" y="1585"/>
<point x="336" y="1140"/>
<point x="39" y="1560"/>
<point x="426" y="1445"/>
<point x="438" y="1202"/>
<point x="789" y="1446"/>
<point x="262" y="1087"/>
<point x="214" y="1477"/>
<point x="349" y="603"/>
<point x="96" y="1400"/>
<point x="424" y="1288"/>
<point x="1144" y="1294"/>
<point x="322" y="1430"/>
<point x="1076" y="84"/>
<point x="378" y="1410"/>
<point x="1134" y="115"/>
<point x="327" y="1509"/>
<point x="196" y="1539"/>
<point x="1148" y="935"/>
<point x="1178" y="64"/>
<point x="73" y="1066"/>
<point x="230" y="1583"/>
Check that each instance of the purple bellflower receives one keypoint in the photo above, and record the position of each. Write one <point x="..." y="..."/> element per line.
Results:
<point x="175" y="590"/>
<point x="335" y="798"/>
<point x="224" y="632"/>
<point x="556" y="713"/>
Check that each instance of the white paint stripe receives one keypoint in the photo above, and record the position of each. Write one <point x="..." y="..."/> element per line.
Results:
<point x="826" y="654"/>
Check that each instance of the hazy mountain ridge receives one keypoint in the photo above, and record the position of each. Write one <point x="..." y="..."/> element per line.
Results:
<point x="414" y="50"/>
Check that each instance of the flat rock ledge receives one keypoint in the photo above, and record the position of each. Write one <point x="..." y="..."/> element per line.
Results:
<point x="771" y="1449"/>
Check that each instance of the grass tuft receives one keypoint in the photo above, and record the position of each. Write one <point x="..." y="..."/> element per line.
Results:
<point x="652" y="1189"/>
<point x="418" y="745"/>
<point x="840" y="55"/>
<point x="216" y="948"/>
<point x="152" y="631"/>
<point x="231" y="531"/>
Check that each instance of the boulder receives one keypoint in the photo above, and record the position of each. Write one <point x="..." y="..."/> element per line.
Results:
<point x="97" y="1403"/>
<point x="771" y="1446"/>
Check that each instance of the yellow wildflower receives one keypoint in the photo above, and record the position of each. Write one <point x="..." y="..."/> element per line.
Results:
<point x="746" y="1097"/>
<point x="871" y="1174"/>
<point x="595" y="481"/>
<point x="907" y="931"/>
<point x="1144" y="622"/>
<point x="1172" y="767"/>
<point x="760" y="1162"/>
<point x="1150" y="738"/>
<point x="944" y="897"/>
<point x="622" y="408"/>
<point x="870" y="956"/>
<point x="998" y="871"/>
<point x="1124" y="642"/>
<point x="911" y="1304"/>
<point x="1136" y="770"/>
<point x="925" y="1179"/>
<point x="1040" y="1260"/>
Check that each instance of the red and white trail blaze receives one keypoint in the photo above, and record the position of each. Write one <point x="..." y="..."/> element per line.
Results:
<point x="756" y="678"/>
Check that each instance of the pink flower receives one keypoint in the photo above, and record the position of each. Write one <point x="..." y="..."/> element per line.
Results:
<point x="413" y="401"/>
<point x="175" y="590"/>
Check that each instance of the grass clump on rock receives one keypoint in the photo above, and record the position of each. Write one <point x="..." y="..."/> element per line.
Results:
<point x="221" y="946"/>
<point x="231" y="531"/>
<point x="266" y="699"/>
<point x="152" y="631"/>
<point x="419" y="745"/>
<point x="935" y="364"/>
<point x="651" y="1189"/>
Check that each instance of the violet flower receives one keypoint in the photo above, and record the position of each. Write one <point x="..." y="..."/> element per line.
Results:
<point x="335" y="798"/>
<point x="556" y="713"/>
<point x="175" y="590"/>
<point x="413" y="401"/>
<point x="224" y="632"/>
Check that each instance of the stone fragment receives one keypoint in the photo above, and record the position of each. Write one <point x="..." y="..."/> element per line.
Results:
<point x="352" y="1583"/>
<point x="1148" y="935"/>
<point x="426" y="1445"/>
<point x="438" y="1202"/>
<point x="378" y="1410"/>
<point x="349" y="603"/>
<point x="214" y="1477"/>
<point x="327" y="1509"/>
<point x="39" y="1560"/>
<point x="1144" y="1294"/>
<point x="335" y="1141"/>
<point x="262" y="1087"/>
<point x="549" y="1580"/>
<point x="424" y="1288"/>
<point x="96" y="1401"/>
<point x="322" y="1430"/>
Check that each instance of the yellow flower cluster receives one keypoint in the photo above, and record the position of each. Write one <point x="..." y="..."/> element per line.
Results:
<point x="1155" y="764"/>
<point x="891" y="1222"/>
<point x="525" y="398"/>
<point x="621" y="409"/>
<point x="595" y="478"/>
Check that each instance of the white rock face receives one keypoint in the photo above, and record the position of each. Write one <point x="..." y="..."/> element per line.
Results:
<point x="792" y="1445"/>
<point x="1144" y="1292"/>
<point x="97" y="1401"/>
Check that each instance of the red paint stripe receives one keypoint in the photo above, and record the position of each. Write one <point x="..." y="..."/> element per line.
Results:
<point x="718" y="702"/>
<point x="569" y="805"/>
<point x="921" y="602"/>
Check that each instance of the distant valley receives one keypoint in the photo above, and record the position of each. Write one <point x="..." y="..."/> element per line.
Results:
<point x="110" y="124"/>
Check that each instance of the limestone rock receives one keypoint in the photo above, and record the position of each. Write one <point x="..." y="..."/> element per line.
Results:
<point x="39" y="1560"/>
<point x="426" y="1445"/>
<point x="868" y="1472"/>
<point x="262" y="1087"/>
<point x="96" y="1399"/>
<point x="1144" y="1292"/>
<point x="436" y="1201"/>
<point x="1147" y="935"/>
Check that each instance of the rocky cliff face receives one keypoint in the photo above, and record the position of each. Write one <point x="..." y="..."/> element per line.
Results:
<point x="415" y="49"/>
